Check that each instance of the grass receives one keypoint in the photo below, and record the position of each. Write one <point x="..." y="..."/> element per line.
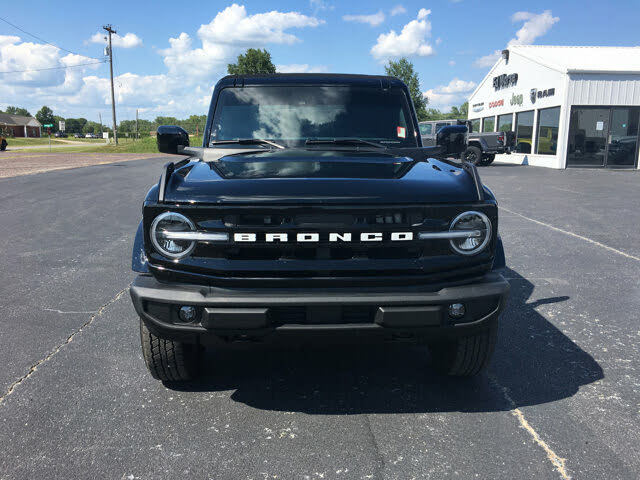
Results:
<point x="19" y="142"/>
<point x="125" y="145"/>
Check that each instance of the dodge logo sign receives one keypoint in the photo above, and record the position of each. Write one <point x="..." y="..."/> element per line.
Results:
<point x="534" y="95"/>
<point x="311" y="237"/>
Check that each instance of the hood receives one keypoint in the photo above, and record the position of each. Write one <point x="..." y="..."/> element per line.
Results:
<point x="320" y="176"/>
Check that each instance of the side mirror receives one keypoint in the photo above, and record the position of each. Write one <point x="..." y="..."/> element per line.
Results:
<point x="452" y="139"/>
<point x="171" y="139"/>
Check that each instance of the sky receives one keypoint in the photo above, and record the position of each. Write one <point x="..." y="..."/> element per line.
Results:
<point x="168" y="55"/>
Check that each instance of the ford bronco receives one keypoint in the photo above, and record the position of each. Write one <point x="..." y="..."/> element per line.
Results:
<point x="312" y="209"/>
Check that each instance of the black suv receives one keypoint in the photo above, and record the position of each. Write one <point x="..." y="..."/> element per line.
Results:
<point x="312" y="209"/>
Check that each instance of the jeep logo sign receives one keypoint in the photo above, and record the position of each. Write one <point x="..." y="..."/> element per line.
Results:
<point x="312" y="237"/>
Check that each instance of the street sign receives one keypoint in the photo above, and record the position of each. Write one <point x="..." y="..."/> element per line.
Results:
<point x="48" y="125"/>
<point x="61" y="125"/>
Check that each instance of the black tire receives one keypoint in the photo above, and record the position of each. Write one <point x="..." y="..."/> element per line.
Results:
<point x="168" y="360"/>
<point x="466" y="356"/>
<point x="472" y="155"/>
<point x="488" y="159"/>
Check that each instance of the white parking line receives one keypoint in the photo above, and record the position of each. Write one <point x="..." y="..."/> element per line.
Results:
<point x="606" y="247"/>
<point x="559" y="463"/>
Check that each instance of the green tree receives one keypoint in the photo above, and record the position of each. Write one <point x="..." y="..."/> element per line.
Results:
<point x="45" y="115"/>
<point x="17" y="111"/>
<point x="253" y="62"/>
<point x="166" y="121"/>
<point x="56" y="123"/>
<point x="464" y="110"/>
<point x="403" y="70"/>
<point x="73" y="125"/>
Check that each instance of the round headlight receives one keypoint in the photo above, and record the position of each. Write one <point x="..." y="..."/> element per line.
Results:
<point x="163" y="238"/>
<point x="475" y="232"/>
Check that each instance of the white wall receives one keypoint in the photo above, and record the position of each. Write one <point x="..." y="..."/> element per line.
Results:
<point x="604" y="89"/>
<point x="530" y="75"/>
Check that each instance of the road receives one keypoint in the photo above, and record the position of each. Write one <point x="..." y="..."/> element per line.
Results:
<point x="561" y="398"/>
<point x="65" y="143"/>
<point x="27" y="163"/>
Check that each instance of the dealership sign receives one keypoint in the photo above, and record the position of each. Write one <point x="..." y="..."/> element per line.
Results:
<point x="535" y="93"/>
<point x="516" y="99"/>
<point x="505" y="81"/>
<point x="478" y="107"/>
<point x="496" y="103"/>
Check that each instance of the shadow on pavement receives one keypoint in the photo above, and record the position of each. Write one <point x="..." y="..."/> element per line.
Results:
<point x="534" y="361"/>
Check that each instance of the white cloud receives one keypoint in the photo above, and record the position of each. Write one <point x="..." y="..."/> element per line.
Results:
<point x="232" y="26"/>
<point x="301" y="68"/>
<point x="410" y="42"/>
<point x="487" y="61"/>
<point x="535" y="25"/>
<point x="373" y="20"/>
<point x="228" y="34"/>
<point x="398" y="10"/>
<point x="35" y="64"/>
<point x="454" y="93"/>
<point x="181" y="59"/>
<point x="320" y="5"/>
<point x="193" y="65"/>
<point x="128" y="40"/>
<point x="452" y="63"/>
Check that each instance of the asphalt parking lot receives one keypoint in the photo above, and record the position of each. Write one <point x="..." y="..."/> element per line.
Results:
<point x="561" y="399"/>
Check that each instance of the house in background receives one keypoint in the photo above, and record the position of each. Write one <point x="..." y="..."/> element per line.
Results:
<point x="19" y="126"/>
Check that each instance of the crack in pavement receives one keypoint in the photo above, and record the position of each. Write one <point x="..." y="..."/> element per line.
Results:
<point x="378" y="455"/>
<point x="558" y="462"/>
<point x="62" y="311"/>
<point x="35" y="366"/>
<point x="575" y="235"/>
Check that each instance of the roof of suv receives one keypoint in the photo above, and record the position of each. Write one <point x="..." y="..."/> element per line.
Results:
<point x="310" y="79"/>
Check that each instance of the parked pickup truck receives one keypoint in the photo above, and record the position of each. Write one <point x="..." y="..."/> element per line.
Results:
<point x="313" y="210"/>
<point x="482" y="146"/>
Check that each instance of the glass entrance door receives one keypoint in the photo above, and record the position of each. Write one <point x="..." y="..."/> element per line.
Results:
<point x="622" y="147"/>
<point x="603" y="137"/>
<point x="588" y="131"/>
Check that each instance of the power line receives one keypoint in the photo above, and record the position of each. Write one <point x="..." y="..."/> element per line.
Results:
<point x="54" y="68"/>
<point x="42" y="39"/>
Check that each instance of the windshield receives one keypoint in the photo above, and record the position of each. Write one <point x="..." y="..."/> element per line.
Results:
<point x="292" y="115"/>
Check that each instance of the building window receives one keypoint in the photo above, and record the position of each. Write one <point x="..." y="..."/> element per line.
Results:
<point x="505" y="122"/>
<point x="475" y="125"/>
<point x="488" y="124"/>
<point x="524" y="131"/>
<point x="547" y="141"/>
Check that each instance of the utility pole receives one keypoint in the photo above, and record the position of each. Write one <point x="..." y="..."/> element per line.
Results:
<point x="136" y="123"/>
<point x="109" y="29"/>
<point x="100" y="116"/>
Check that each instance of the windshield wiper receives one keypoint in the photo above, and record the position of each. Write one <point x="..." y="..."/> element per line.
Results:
<point x="345" y="141"/>
<point x="247" y="141"/>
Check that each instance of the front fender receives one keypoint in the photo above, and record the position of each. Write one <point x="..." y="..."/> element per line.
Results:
<point x="499" y="261"/>
<point x="138" y="258"/>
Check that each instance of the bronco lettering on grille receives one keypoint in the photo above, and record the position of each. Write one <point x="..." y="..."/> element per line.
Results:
<point x="311" y="237"/>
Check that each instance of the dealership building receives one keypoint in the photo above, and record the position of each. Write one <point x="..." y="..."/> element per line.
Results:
<point x="569" y="106"/>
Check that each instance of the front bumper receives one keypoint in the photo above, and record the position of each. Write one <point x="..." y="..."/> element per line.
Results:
<point x="234" y="314"/>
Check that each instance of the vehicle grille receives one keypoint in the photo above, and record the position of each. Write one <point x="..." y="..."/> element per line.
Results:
<point x="406" y="262"/>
